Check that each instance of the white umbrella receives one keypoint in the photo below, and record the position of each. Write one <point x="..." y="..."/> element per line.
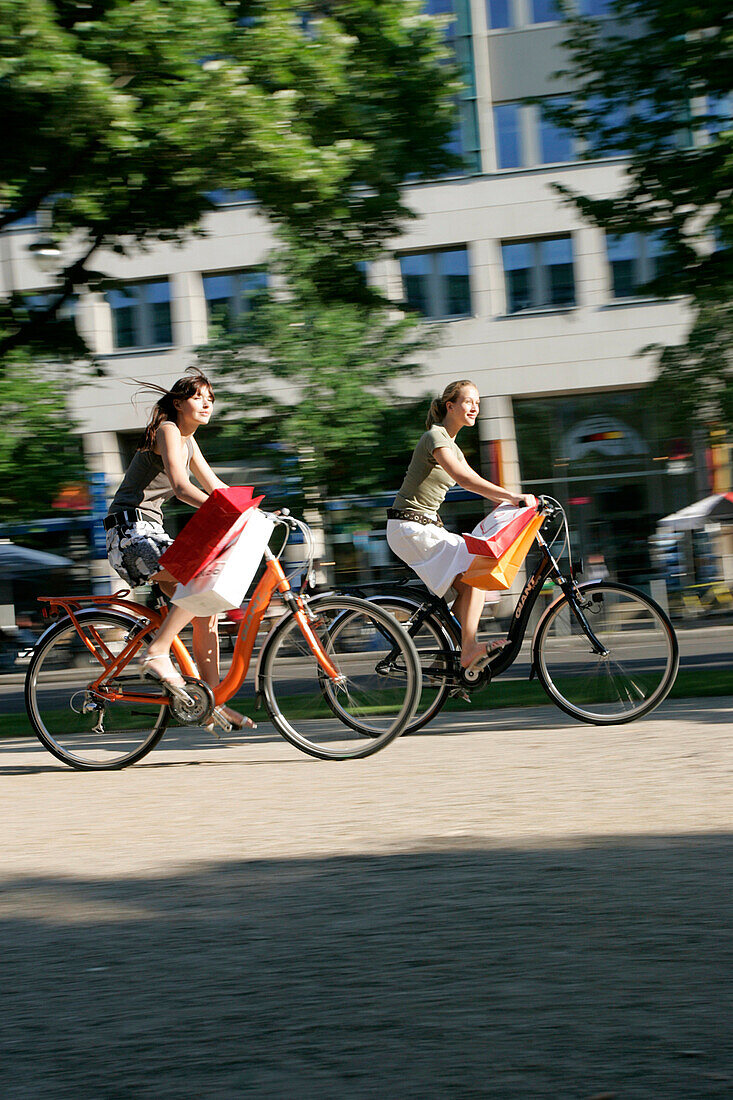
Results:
<point x="16" y="561"/>
<point x="714" y="509"/>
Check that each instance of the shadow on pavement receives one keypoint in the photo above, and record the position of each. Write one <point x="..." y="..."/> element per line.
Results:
<point x="598" y="969"/>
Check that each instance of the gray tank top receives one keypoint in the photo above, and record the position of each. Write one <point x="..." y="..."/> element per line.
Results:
<point x="146" y="485"/>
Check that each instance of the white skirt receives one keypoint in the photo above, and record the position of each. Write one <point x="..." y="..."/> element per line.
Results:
<point x="436" y="555"/>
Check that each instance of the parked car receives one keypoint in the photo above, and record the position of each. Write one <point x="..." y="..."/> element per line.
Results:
<point x="16" y="647"/>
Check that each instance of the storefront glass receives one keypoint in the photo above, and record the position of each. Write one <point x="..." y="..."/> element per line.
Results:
<point x="606" y="458"/>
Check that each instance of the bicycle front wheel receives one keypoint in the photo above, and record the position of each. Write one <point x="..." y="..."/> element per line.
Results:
<point x="634" y="673"/>
<point x="77" y="725"/>
<point x="435" y="652"/>
<point x="374" y="696"/>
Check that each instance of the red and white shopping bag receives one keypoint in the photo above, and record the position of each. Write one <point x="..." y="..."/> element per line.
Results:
<point x="209" y="530"/>
<point x="223" y="582"/>
<point x="497" y="531"/>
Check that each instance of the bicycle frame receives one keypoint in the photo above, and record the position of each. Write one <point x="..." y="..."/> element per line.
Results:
<point x="273" y="579"/>
<point x="504" y="657"/>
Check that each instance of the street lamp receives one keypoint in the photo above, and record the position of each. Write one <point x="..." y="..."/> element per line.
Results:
<point x="46" y="253"/>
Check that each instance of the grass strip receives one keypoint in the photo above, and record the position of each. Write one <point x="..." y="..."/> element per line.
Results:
<point x="691" y="683"/>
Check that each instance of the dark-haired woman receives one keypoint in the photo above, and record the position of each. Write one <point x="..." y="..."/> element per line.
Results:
<point x="415" y="532"/>
<point x="160" y="470"/>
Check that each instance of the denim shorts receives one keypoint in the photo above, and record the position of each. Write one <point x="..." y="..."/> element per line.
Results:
<point x="134" y="550"/>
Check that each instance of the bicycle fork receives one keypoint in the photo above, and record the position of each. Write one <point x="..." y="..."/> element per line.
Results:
<point x="575" y="601"/>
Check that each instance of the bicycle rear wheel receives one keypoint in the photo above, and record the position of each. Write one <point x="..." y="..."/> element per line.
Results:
<point x="630" y="679"/>
<point x="375" y="696"/>
<point x="79" y="727"/>
<point x="436" y="655"/>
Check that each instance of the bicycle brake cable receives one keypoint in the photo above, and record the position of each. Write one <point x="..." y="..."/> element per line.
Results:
<point x="563" y="527"/>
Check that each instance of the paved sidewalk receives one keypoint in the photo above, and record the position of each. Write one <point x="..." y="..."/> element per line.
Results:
<point x="512" y="905"/>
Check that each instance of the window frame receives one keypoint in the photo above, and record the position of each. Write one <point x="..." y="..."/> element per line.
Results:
<point x="143" y="314"/>
<point x="241" y="298"/>
<point x="437" y="295"/>
<point x="530" y="120"/>
<point x="540" y="283"/>
<point x="645" y="265"/>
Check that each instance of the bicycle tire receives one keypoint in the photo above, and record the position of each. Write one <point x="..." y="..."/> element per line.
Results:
<point x="435" y="652"/>
<point x="56" y="685"/>
<point x="631" y="679"/>
<point x="369" y="708"/>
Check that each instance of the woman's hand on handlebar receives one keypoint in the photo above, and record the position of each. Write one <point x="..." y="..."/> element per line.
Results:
<point x="525" y="500"/>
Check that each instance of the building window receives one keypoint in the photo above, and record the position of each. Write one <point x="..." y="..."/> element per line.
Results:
<point x="718" y="114"/>
<point x="608" y="123"/>
<point x="224" y="197"/>
<point x="544" y="11"/>
<point x="141" y="315"/>
<point x="526" y="136"/>
<point x="594" y="8"/>
<point x="229" y="294"/>
<point x="539" y="273"/>
<point x="508" y="129"/>
<point x="44" y="299"/>
<point x="437" y="283"/>
<point x="500" y="14"/>
<point x="464" y="141"/>
<point x="635" y="259"/>
<point x="555" y="143"/>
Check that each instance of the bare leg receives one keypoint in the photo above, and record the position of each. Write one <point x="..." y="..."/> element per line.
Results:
<point x="174" y="622"/>
<point x="206" y="654"/>
<point x="206" y="649"/>
<point x="157" y="657"/>
<point x="467" y="608"/>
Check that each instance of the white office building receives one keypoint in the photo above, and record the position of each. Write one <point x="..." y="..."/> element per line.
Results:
<point x="540" y="309"/>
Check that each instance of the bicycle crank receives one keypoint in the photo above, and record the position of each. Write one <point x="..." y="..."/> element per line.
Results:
<point x="198" y="711"/>
<point x="471" y="678"/>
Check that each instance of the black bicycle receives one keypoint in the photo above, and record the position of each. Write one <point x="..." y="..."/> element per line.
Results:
<point x="604" y="652"/>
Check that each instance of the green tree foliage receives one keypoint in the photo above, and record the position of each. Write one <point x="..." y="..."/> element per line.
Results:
<point x="655" y="83"/>
<point x="321" y="381"/>
<point x="119" y="117"/>
<point x="38" y="450"/>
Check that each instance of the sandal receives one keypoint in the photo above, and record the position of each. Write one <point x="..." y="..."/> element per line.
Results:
<point x="238" y="721"/>
<point x="171" y="680"/>
<point x="490" y="649"/>
<point x="234" y="723"/>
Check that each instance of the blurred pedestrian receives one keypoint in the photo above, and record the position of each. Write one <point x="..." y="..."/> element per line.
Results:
<point x="415" y="531"/>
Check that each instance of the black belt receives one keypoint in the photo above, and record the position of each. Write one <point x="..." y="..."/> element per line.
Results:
<point x="130" y="515"/>
<point x="413" y="517"/>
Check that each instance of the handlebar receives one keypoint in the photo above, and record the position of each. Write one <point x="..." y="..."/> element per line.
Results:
<point x="283" y="518"/>
<point x="549" y="506"/>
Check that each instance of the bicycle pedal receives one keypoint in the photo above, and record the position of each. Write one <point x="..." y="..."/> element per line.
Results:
<point x="220" y="719"/>
<point x="460" y="693"/>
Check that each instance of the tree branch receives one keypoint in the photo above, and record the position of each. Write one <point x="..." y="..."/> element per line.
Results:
<point x="71" y="278"/>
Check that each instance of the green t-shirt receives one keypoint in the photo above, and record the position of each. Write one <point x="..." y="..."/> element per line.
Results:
<point x="426" y="483"/>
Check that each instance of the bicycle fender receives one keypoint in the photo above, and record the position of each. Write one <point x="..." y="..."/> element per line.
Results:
<point x="411" y="605"/>
<point x="584" y="588"/>
<point x="551" y="606"/>
<point x="49" y="628"/>
<point x="263" y="647"/>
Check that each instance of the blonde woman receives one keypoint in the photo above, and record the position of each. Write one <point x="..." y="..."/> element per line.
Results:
<point x="415" y="532"/>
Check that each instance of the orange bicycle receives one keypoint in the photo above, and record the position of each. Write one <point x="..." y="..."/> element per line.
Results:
<point x="338" y="676"/>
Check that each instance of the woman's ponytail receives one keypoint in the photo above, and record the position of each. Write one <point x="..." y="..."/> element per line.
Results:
<point x="436" y="414"/>
<point x="439" y="406"/>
